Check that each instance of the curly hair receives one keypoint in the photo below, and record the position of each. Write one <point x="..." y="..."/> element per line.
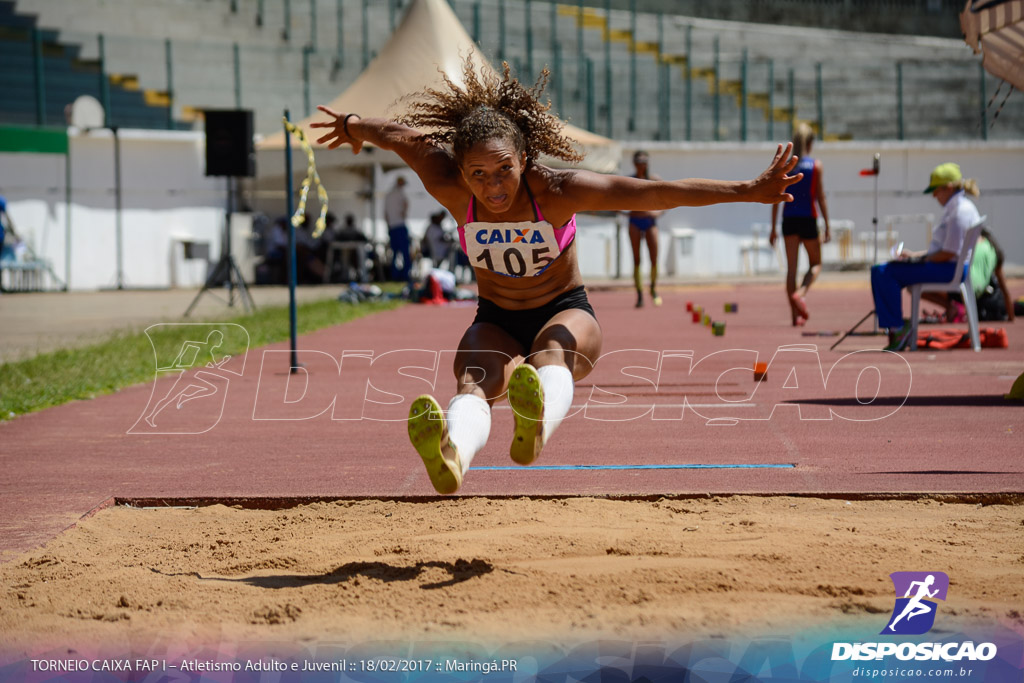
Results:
<point x="490" y="107"/>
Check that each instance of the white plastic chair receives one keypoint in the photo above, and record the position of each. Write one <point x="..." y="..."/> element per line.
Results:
<point x="961" y="282"/>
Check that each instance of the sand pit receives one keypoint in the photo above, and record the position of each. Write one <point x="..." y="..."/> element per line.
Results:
<point x="506" y="570"/>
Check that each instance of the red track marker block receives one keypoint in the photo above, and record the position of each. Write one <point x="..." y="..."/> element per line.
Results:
<point x="760" y="372"/>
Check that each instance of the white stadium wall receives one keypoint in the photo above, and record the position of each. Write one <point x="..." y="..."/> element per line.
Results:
<point x="165" y="199"/>
<point x="905" y="166"/>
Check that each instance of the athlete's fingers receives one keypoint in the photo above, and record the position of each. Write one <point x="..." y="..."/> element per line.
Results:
<point x="774" y="169"/>
<point x="791" y="164"/>
<point x="783" y="153"/>
<point x="783" y="162"/>
<point x="332" y="137"/>
<point x="327" y="136"/>
<point x="327" y="110"/>
<point x="790" y="179"/>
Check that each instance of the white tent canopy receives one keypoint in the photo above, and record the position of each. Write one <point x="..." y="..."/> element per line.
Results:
<point x="430" y="40"/>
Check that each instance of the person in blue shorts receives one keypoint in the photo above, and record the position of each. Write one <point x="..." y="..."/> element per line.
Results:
<point x="643" y="225"/>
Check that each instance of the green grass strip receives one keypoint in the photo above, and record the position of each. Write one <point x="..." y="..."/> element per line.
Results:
<point x="127" y="358"/>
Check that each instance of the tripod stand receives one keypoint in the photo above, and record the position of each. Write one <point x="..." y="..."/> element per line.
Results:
<point x="226" y="270"/>
<point x="873" y="171"/>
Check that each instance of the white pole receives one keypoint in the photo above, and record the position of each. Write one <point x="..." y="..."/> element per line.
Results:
<point x="874" y="219"/>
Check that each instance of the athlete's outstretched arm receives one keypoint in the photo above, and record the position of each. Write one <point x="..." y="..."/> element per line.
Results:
<point x="433" y="164"/>
<point x="595" y="192"/>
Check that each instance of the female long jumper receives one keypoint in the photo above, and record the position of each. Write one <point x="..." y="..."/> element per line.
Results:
<point x="476" y="148"/>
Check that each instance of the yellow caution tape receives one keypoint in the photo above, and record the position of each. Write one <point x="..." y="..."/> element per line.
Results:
<point x="311" y="177"/>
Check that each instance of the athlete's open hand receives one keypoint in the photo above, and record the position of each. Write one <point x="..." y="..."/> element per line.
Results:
<point x="337" y="135"/>
<point x="770" y="186"/>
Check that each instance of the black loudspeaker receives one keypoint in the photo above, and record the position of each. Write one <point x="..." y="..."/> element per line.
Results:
<point x="229" y="150"/>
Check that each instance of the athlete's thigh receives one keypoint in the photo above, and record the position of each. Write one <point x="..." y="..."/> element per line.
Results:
<point x="792" y="250"/>
<point x="572" y="337"/>
<point x="651" y="237"/>
<point x="813" y="248"/>
<point x="486" y="357"/>
<point x="635" y="235"/>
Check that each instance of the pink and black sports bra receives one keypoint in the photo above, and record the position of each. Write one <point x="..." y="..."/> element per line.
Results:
<point x="522" y="249"/>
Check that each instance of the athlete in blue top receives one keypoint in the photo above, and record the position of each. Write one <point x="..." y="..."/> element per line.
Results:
<point x="800" y="223"/>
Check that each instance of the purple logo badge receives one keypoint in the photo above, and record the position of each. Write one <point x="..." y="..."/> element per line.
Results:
<point x="915" y="608"/>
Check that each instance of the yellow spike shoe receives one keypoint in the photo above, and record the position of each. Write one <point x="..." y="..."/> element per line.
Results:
<point x="526" y="397"/>
<point x="1017" y="390"/>
<point x="428" y="432"/>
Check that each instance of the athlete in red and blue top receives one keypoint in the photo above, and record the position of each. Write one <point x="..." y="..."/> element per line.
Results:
<point x="535" y="333"/>
<point x="800" y="224"/>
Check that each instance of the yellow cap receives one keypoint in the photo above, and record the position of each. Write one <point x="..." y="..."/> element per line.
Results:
<point x="944" y="174"/>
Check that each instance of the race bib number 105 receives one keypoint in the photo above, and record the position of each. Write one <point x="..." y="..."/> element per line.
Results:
<point x="514" y="249"/>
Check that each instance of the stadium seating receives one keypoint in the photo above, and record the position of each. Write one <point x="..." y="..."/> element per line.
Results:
<point x="292" y="59"/>
<point x="66" y="75"/>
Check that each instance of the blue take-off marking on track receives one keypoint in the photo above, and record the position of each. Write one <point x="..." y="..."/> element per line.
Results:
<point x="635" y="467"/>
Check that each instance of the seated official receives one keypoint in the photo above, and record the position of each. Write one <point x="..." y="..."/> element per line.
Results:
<point x="937" y="263"/>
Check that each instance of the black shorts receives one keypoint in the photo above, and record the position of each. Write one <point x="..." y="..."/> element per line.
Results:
<point x="804" y="227"/>
<point x="524" y="325"/>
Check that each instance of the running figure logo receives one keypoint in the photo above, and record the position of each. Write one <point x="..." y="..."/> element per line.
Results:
<point x="192" y="378"/>
<point x="914" y="613"/>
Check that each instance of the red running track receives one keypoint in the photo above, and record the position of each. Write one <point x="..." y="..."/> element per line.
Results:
<point x="915" y="422"/>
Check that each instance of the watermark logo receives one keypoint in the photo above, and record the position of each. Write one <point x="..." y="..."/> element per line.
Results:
<point x="193" y="371"/>
<point x="914" y="613"/>
<point x="195" y="363"/>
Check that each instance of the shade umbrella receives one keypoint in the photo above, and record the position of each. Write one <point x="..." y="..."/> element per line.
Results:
<point x="995" y="29"/>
